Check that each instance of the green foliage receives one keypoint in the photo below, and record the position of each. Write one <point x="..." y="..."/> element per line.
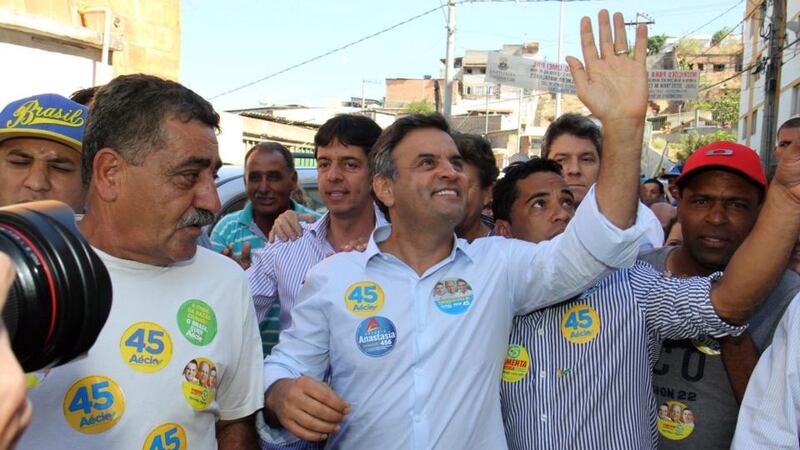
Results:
<point x="720" y="35"/>
<point x="685" y="50"/>
<point x="693" y="141"/>
<point x="421" y="107"/>
<point x="656" y="43"/>
<point x="724" y="108"/>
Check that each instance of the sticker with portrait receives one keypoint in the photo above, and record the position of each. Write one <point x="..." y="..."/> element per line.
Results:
<point x="199" y="382"/>
<point x="453" y="295"/>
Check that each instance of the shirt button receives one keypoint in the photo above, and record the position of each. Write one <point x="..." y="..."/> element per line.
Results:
<point x="541" y="331"/>
<point x="542" y="374"/>
<point x="417" y="419"/>
<point x="543" y="417"/>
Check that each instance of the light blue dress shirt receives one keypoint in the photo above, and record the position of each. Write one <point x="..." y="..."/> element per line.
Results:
<point x="421" y="370"/>
<point x="770" y="413"/>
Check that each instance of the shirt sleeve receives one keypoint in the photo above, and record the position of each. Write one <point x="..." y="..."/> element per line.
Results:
<point x="218" y="239"/>
<point x="769" y="416"/>
<point x="240" y="391"/>
<point x="303" y="348"/>
<point x="591" y="247"/>
<point x="262" y="279"/>
<point x="679" y="307"/>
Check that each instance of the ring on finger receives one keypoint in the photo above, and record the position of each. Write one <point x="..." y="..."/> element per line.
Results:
<point x="621" y="52"/>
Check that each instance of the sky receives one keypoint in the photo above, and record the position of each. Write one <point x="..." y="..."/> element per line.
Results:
<point x="225" y="45"/>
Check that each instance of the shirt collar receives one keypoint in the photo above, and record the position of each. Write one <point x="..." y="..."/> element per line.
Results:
<point x="246" y="216"/>
<point x="382" y="232"/>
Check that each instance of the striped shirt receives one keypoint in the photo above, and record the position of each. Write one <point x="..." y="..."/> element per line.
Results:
<point x="579" y="374"/>
<point x="238" y="228"/>
<point x="277" y="271"/>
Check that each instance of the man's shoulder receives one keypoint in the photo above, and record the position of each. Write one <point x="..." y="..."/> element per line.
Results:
<point x="655" y="256"/>
<point x="207" y="260"/>
<point x="228" y="224"/>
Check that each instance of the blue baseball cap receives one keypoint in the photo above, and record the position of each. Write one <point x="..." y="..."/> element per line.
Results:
<point x="674" y="172"/>
<point x="45" y="116"/>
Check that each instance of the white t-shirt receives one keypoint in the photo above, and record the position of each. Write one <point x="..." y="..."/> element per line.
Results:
<point x="180" y="351"/>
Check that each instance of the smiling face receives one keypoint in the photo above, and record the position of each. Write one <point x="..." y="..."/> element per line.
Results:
<point x="580" y="161"/>
<point x="343" y="178"/>
<point x="268" y="183"/>
<point x="38" y="169"/>
<point x="717" y="210"/>
<point x="162" y="203"/>
<point x="430" y="186"/>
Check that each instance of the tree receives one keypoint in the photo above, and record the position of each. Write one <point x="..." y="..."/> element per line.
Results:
<point x="421" y="107"/>
<point x="720" y="35"/>
<point x="686" y="49"/>
<point x="693" y="141"/>
<point x="724" y="108"/>
<point x="656" y="43"/>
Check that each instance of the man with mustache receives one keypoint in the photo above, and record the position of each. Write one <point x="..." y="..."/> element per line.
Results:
<point x="721" y="191"/>
<point x="149" y="163"/>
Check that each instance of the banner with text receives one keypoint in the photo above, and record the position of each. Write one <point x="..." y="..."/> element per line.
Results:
<point x="554" y="77"/>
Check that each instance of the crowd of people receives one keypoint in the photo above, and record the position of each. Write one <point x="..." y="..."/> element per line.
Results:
<point x="437" y="303"/>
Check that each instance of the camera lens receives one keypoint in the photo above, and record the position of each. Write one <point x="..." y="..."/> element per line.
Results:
<point x="61" y="296"/>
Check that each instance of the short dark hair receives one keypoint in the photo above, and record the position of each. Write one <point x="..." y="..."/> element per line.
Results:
<point x="128" y="116"/>
<point x="574" y="125"/>
<point x="792" y="122"/>
<point x="348" y="129"/>
<point x="655" y="181"/>
<point x="273" y="147"/>
<point x="478" y="151"/>
<point x="381" y="163"/>
<point x="84" y="96"/>
<point x="506" y="192"/>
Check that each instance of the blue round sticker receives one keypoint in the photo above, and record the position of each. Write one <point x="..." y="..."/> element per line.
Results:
<point x="453" y="296"/>
<point x="376" y="336"/>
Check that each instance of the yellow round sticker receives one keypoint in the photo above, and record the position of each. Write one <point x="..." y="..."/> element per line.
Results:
<point x="146" y="347"/>
<point x="364" y="298"/>
<point x="93" y="404"/>
<point x="169" y="436"/>
<point x="517" y="363"/>
<point x="707" y="345"/>
<point x="675" y="420"/>
<point x="580" y="324"/>
<point x="199" y="382"/>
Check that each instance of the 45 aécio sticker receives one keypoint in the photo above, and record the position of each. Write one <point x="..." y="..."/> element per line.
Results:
<point x="580" y="324"/>
<point x="93" y="404"/>
<point x="364" y="298"/>
<point x="169" y="436"/>
<point x="146" y="347"/>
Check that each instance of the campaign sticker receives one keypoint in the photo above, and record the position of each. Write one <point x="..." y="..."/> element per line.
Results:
<point x="707" y="345"/>
<point x="517" y="363"/>
<point x="675" y="420"/>
<point x="376" y="336"/>
<point x="580" y="324"/>
<point x="453" y="295"/>
<point x="364" y="298"/>
<point x="93" y="404"/>
<point x="167" y="436"/>
<point x="197" y="322"/>
<point x="199" y="382"/>
<point x="146" y="347"/>
<point x="33" y="379"/>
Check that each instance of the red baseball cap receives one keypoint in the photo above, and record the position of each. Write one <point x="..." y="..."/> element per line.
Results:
<point x="730" y="155"/>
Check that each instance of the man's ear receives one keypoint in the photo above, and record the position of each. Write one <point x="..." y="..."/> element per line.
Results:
<point x="502" y="228"/>
<point x="108" y="171"/>
<point x="384" y="190"/>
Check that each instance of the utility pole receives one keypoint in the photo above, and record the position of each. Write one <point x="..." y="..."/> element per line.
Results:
<point x="648" y="20"/>
<point x="560" y="44"/>
<point x="776" y="35"/>
<point x="448" y="69"/>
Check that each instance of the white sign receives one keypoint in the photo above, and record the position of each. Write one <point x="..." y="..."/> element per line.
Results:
<point x="554" y="77"/>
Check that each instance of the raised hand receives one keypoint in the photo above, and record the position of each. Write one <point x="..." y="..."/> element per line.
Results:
<point x="610" y="83"/>
<point x="787" y="176"/>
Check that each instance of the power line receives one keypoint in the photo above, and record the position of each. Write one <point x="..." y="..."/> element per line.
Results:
<point x="712" y="20"/>
<point x="730" y="77"/>
<point x="338" y="49"/>
<point x="718" y="42"/>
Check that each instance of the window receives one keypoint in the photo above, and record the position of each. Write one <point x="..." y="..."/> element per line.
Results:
<point x="753" y="122"/>
<point x="795" y="99"/>
<point x="701" y="67"/>
<point x="719" y="67"/>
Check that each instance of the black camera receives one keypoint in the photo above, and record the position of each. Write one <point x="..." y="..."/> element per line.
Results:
<point x="61" y="296"/>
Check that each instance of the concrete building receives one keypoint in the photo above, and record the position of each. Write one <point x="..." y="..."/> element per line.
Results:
<point x="62" y="46"/>
<point x="755" y="48"/>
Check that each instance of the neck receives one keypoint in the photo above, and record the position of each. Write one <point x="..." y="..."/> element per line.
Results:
<point x="96" y="227"/>
<point x="681" y="263"/>
<point x="470" y="232"/>
<point x="266" y="221"/>
<point x="351" y="227"/>
<point x="421" y="247"/>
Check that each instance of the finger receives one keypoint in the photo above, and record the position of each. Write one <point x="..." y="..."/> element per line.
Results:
<point x="588" y="48"/>
<point x="322" y="393"/>
<point x="7" y="274"/>
<point x="620" y="36"/>
<point x="314" y="423"/>
<point x="640" y="48"/>
<point x="579" y="75"/>
<point x="307" y="218"/>
<point x="295" y="230"/>
<point x="298" y="430"/>
<point x="246" y="247"/>
<point x="606" y="43"/>
<point x="21" y="421"/>
<point x="280" y="232"/>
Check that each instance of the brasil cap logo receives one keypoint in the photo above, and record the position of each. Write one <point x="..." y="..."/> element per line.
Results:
<point x="32" y="113"/>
